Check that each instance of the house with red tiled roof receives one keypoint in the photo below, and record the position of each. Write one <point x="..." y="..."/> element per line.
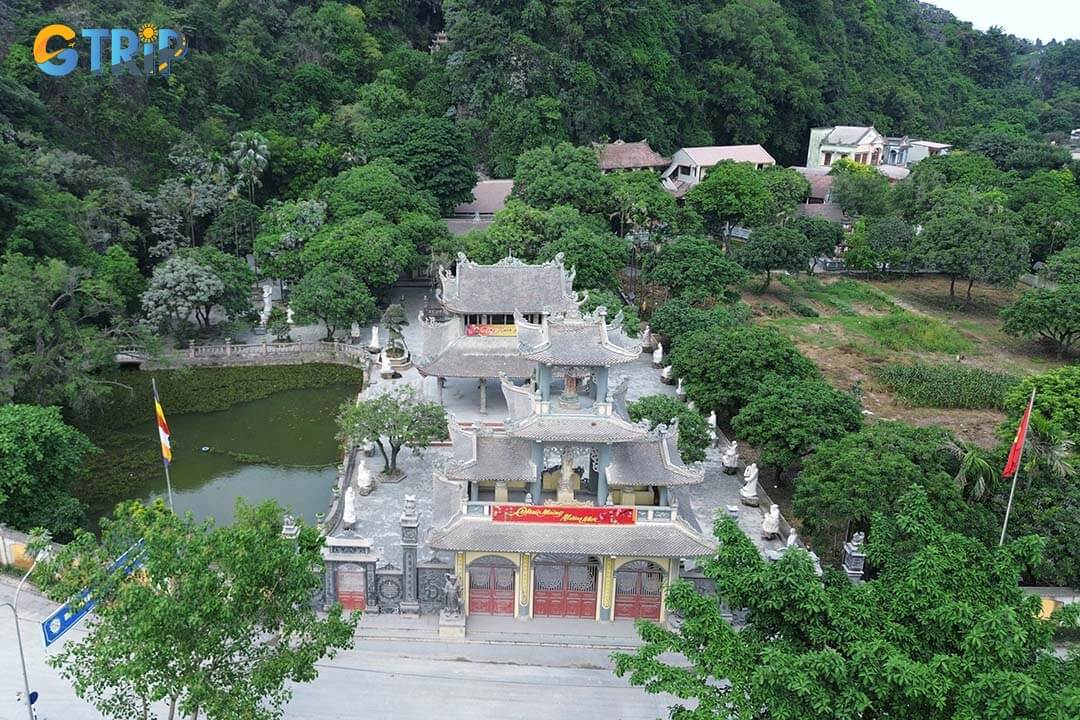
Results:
<point x="622" y="155"/>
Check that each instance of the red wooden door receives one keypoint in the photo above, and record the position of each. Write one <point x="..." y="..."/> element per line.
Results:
<point x="491" y="588"/>
<point x="565" y="589"/>
<point x="639" y="590"/>
<point x="350" y="588"/>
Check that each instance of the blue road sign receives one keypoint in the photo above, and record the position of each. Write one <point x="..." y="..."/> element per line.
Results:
<point x="71" y="612"/>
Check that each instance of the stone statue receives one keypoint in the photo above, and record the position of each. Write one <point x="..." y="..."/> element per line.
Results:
<point x="858" y="539"/>
<point x="692" y="406"/>
<point x="748" y="493"/>
<point x="289" y="312"/>
<point x="770" y="524"/>
<point x="665" y="375"/>
<point x="793" y="539"/>
<point x="268" y="299"/>
<point x="354" y="332"/>
<point x="452" y="591"/>
<point x="348" y="513"/>
<point x="385" y="369"/>
<point x="364" y="480"/>
<point x="680" y="393"/>
<point x="712" y="428"/>
<point x="646" y="338"/>
<point x="658" y="355"/>
<point x="374" y="338"/>
<point x="731" y="458"/>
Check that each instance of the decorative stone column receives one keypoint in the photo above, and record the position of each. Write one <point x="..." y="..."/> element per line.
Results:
<point x="483" y="396"/>
<point x="566" y="488"/>
<point x="601" y="475"/>
<point x="410" y="533"/>
<point x="854" y="558"/>
<point x="538" y="483"/>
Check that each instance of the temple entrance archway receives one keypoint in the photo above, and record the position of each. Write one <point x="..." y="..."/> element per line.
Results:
<point x="491" y="586"/>
<point x="639" y="590"/>
<point x="565" y="586"/>
<point x="351" y="587"/>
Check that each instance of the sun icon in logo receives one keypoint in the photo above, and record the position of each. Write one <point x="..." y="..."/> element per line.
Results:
<point x="148" y="33"/>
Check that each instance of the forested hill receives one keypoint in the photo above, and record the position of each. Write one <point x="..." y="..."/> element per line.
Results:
<point x="318" y="78"/>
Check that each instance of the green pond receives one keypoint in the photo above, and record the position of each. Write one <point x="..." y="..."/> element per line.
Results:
<point x="279" y="447"/>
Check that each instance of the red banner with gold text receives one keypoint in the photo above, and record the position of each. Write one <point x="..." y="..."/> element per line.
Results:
<point x="563" y="515"/>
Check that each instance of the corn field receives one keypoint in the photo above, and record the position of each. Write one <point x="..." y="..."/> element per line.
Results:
<point x="946" y="386"/>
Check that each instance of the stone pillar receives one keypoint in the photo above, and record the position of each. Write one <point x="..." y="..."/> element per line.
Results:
<point x="483" y="396"/>
<point x="441" y="382"/>
<point x="600" y="380"/>
<point x="410" y="533"/>
<point x="601" y="479"/>
<point x="538" y="483"/>
<point x="663" y="496"/>
<point x="191" y="348"/>
<point x="228" y="346"/>
<point x="543" y="373"/>
<point x="607" y="588"/>
<point x="474" y="490"/>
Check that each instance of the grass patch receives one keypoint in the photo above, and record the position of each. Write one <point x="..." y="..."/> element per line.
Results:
<point x="844" y="294"/>
<point x="946" y="386"/>
<point x="900" y="331"/>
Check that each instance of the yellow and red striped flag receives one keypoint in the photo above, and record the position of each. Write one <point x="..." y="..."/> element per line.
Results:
<point x="1018" y="442"/>
<point x="163" y="428"/>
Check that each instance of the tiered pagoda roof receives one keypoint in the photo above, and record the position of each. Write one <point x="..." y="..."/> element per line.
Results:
<point x="655" y="461"/>
<point x="507" y="286"/>
<point x="482" y="454"/>
<point x="573" y="339"/>
<point x="533" y="419"/>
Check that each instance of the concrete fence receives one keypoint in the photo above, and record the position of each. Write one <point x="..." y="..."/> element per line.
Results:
<point x="229" y="354"/>
<point x="13" y="548"/>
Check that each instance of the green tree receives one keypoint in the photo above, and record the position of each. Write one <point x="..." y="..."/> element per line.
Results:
<point x="822" y="236"/>
<point x="723" y="367"/>
<point x="892" y="240"/>
<point x="1053" y="314"/>
<point x="379" y="186"/>
<point x="120" y="270"/>
<point x="860" y="189"/>
<point x="1057" y="399"/>
<point x="788" y="189"/>
<point x="847" y="480"/>
<point x="392" y="420"/>
<point x="334" y="296"/>
<point x="561" y="175"/>
<point x="788" y="418"/>
<point x="250" y="156"/>
<point x="661" y="410"/>
<point x="680" y="317"/>
<point x="613" y="303"/>
<point x="237" y="280"/>
<point x="774" y="248"/>
<point x="374" y="251"/>
<point x="597" y="257"/>
<point x="179" y="288"/>
<point x="433" y="151"/>
<point x="55" y="336"/>
<point x="40" y="455"/>
<point x="1064" y="266"/>
<point x="640" y="203"/>
<point x="732" y="194"/>
<point x="217" y="620"/>
<point x="817" y="648"/>
<point x="693" y="265"/>
<point x="285" y="228"/>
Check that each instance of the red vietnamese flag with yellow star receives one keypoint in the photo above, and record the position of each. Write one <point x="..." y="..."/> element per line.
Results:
<point x="1018" y="442"/>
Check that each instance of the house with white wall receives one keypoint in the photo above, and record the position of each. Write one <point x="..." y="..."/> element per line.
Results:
<point x="689" y="165"/>
<point x="860" y="144"/>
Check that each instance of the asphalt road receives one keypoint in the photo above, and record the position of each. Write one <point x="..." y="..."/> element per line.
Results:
<point x="394" y="679"/>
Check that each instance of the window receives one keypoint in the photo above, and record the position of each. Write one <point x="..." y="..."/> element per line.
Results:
<point x="684" y="170"/>
<point x="827" y="159"/>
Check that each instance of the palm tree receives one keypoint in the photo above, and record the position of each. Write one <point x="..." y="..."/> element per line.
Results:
<point x="250" y="155"/>
<point x="1051" y="450"/>
<point x="974" y="470"/>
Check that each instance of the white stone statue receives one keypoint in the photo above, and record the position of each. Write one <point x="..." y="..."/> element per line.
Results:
<point x="374" y="337"/>
<point x="770" y="524"/>
<point x="691" y="406"/>
<point x="385" y="369"/>
<point x="658" y="355"/>
<point x="646" y="338"/>
<point x="793" y="539"/>
<point x="680" y="393"/>
<point x="348" y="513"/>
<point x="665" y="375"/>
<point x="364" y="480"/>
<point x="354" y="331"/>
<point x="748" y="493"/>
<point x="289" y="312"/>
<point x="712" y="428"/>
<point x="731" y="458"/>
<point x="268" y="300"/>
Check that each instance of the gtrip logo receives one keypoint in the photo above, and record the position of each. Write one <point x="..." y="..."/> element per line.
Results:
<point x="147" y="51"/>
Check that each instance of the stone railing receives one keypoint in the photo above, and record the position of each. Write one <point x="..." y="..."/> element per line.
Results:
<point x="262" y="353"/>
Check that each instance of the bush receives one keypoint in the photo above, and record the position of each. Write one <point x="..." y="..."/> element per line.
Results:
<point x="693" y="428"/>
<point x="946" y="386"/>
<point x="1057" y="398"/>
<point x="803" y="309"/>
<point x="900" y="330"/>
<point x="677" y="318"/>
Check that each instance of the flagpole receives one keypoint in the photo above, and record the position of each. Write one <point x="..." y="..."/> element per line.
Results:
<point x="1016" y="473"/>
<point x="168" y="481"/>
